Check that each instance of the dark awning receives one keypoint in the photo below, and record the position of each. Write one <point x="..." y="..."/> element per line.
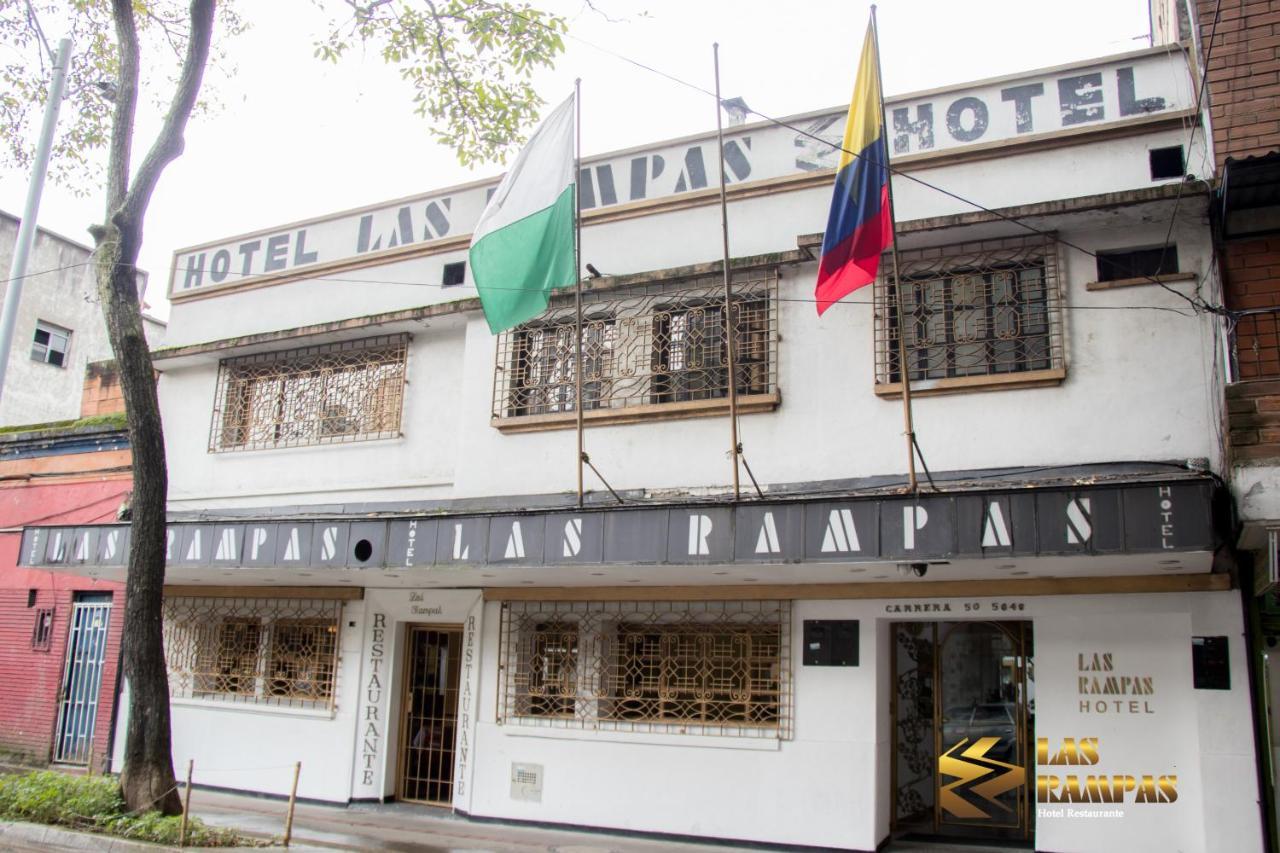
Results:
<point x="1249" y="197"/>
<point x="1176" y="515"/>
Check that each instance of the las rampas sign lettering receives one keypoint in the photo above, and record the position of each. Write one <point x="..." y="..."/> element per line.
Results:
<point x="1151" y="83"/>
<point x="1148" y="518"/>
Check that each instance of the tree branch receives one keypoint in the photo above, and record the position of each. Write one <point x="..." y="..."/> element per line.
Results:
<point x="169" y="141"/>
<point x="460" y="88"/>
<point x="126" y="105"/>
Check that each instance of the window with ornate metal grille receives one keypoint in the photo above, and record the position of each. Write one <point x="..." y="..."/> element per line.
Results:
<point x="975" y="315"/>
<point x="645" y="347"/>
<point x="258" y="650"/>
<point x="544" y="364"/>
<point x="352" y="391"/>
<point x="687" y="667"/>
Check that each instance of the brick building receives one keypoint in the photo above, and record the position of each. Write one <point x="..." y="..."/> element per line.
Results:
<point x="60" y="634"/>
<point x="1237" y="45"/>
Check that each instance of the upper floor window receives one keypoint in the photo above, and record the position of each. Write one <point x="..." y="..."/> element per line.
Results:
<point x="352" y="391"/>
<point x="51" y="344"/>
<point x="1126" y="264"/>
<point x="652" y="349"/>
<point x="981" y="314"/>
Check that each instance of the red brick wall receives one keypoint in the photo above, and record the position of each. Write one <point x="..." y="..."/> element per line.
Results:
<point x="102" y="394"/>
<point x="1243" y="76"/>
<point x="1253" y="281"/>
<point x="31" y="680"/>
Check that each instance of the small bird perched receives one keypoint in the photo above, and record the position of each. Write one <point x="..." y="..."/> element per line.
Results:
<point x="107" y="89"/>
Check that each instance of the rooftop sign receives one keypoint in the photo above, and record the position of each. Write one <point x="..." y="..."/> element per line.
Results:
<point x="1158" y="518"/>
<point x="1081" y="98"/>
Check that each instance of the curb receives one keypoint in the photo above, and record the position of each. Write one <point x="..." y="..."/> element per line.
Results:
<point x="57" y="838"/>
<point x="46" y="837"/>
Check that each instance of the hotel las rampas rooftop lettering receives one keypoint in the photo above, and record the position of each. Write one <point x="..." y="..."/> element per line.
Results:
<point x="1117" y="91"/>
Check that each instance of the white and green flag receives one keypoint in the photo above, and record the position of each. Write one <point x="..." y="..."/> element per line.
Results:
<point x="522" y="247"/>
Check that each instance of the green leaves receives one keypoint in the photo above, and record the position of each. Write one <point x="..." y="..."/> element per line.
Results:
<point x="84" y="122"/>
<point x="468" y="62"/>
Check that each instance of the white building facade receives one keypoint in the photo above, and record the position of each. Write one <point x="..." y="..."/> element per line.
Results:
<point x="379" y="566"/>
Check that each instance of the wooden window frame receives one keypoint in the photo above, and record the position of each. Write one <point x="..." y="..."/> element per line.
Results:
<point x="627" y="367"/>
<point x="1013" y="283"/>
<point x="329" y="394"/>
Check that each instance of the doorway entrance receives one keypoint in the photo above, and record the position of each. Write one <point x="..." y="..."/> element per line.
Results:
<point x="82" y="677"/>
<point x="963" y="724"/>
<point x="428" y="724"/>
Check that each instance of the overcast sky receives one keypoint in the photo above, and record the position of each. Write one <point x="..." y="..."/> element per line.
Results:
<point x="297" y="138"/>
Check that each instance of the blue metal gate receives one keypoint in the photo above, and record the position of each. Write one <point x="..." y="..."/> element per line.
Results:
<point x="82" y="678"/>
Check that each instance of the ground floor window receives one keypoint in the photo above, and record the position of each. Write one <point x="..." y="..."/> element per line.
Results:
<point x="259" y="650"/>
<point x="688" y="667"/>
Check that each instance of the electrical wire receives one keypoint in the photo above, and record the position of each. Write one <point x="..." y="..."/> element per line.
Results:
<point x="1204" y="77"/>
<point x="49" y="271"/>
<point x="888" y="167"/>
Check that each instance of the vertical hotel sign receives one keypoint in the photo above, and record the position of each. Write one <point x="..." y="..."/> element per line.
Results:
<point x="1132" y="88"/>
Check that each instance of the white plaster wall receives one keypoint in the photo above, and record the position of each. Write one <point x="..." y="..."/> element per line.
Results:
<point x="1140" y="386"/>
<point x="253" y="748"/>
<point x="419" y="465"/>
<point x="829" y="785"/>
<point x="1140" y="382"/>
<point x="1257" y="493"/>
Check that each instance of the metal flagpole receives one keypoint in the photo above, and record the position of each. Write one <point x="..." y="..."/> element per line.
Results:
<point x="729" y="326"/>
<point x="903" y="368"/>
<point x="577" y="271"/>
<point x="27" y="228"/>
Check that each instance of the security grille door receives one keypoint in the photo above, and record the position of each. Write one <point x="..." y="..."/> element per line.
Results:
<point x="82" y="678"/>
<point x="430" y="714"/>
<point x="964" y="723"/>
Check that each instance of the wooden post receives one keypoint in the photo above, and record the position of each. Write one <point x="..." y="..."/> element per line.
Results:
<point x="293" y="797"/>
<point x="730" y="329"/>
<point x="186" y="806"/>
<point x="904" y="369"/>
<point x="89" y="771"/>
<point x="577" y="278"/>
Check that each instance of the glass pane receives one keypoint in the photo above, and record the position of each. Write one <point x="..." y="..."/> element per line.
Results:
<point x="980" y="691"/>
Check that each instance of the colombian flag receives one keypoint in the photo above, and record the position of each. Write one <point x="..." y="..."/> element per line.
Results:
<point x="859" y="226"/>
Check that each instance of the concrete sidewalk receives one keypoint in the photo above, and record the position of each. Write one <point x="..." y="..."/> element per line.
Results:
<point x="409" y="827"/>
<point x="406" y="827"/>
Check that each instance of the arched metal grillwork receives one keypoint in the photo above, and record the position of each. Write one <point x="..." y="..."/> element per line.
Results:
<point x="261" y="650"/>
<point x="980" y="309"/>
<point x="714" y="668"/>
<point x="351" y="391"/>
<point x="642" y="345"/>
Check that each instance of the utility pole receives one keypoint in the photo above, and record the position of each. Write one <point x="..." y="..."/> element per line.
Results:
<point x="27" y="229"/>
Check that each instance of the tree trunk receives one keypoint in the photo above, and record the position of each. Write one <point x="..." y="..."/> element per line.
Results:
<point x="147" y="780"/>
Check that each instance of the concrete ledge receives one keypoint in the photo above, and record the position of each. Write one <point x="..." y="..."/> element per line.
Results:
<point x="38" y="836"/>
